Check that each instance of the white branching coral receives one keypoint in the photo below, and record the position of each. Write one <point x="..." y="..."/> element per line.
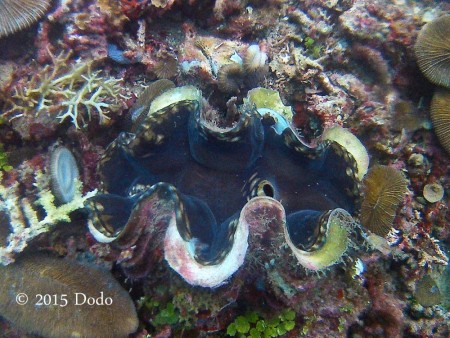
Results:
<point x="66" y="90"/>
<point x="20" y="215"/>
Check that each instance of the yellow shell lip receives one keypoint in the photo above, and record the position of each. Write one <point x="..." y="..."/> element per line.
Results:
<point x="333" y="243"/>
<point x="352" y="144"/>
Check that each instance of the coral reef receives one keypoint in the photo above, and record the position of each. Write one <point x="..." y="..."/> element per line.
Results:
<point x="328" y="72"/>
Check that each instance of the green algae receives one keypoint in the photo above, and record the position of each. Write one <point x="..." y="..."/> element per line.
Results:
<point x="252" y="325"/>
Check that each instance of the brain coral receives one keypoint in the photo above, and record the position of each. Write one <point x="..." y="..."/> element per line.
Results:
<point x="60" y="311"/>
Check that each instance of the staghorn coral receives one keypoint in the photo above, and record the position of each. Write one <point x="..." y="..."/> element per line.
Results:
<point x="22" y="216"/>
<point x="62" y="91"/>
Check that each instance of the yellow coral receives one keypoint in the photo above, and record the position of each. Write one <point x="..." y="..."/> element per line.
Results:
<point x="23" y="218"/>
<point x="73" y="92"/>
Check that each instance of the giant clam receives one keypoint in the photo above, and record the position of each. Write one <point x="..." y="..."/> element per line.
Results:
<point x="203" y="191"/>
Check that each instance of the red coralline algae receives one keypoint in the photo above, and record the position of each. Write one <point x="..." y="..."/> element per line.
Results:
<point x="373" y="59"/>
<point x="133" y="8"/>
<point x="385" y="316"/>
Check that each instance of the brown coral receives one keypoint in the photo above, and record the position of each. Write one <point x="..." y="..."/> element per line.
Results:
<point x="58" y="279"/>
<point x="384" y="188"/>
<point x="230" y="78"/>
<point x="427" y="292"/>
<point x="433" y="51"/>
<point x="167" y="65"/>
<point x="19" y="14"/>
<point x="440" y="115"/>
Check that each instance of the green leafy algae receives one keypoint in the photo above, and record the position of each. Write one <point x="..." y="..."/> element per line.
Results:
<point x="254" y="326"/>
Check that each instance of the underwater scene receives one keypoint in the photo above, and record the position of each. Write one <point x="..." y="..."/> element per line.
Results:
<point x="224" y="168"/>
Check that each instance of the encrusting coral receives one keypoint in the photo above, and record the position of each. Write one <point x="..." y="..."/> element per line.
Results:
<point x="66" y="91"/>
